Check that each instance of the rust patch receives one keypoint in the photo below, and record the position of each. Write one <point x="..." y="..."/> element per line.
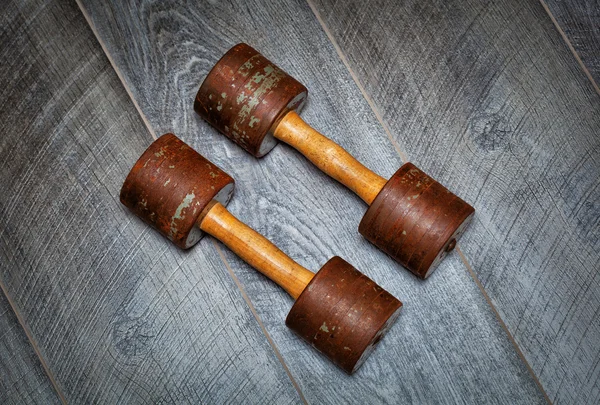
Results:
<point x="343" y="314"/>
<point x="253" y="94"/>
<point x="415" y="220"/>
<point x="171" y="200"/>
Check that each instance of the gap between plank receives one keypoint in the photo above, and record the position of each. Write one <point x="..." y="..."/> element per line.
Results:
<point x="33" y="344"/>
<point x="371" y="103"/>
<point x="573" y="51"/>
<point x="221" y="255"/>
<point x="510" y="336"/>
<point x="114" y="66"/>
<point x="404" y="157"/>
<point x="260" y="323"/>
<point x="20" y="319"/>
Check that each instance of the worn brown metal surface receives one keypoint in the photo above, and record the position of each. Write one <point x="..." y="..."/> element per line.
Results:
<point x="343" y="314"/>
<point x="415" y="220"/>
<point x="244" y="95"/>
<point x="170" y="185"/>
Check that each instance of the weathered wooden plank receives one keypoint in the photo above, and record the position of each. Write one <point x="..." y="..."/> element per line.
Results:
<point x="580" y="21"/>
<point x="447" y="345"/>
<point x="22" y="377"/>
<point x="487" y="98"/>
<point x="119" y="315"/>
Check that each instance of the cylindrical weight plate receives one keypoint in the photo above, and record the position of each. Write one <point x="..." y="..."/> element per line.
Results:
<point x="415" y="220"/>
<point x="343" y="314"/>
<point x="244" y="96"/>
<point x="170" y="185"/>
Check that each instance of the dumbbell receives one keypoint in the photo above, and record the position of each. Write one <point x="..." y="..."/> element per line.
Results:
<point x="411" y="217"/>
<point x="338" y="310"/>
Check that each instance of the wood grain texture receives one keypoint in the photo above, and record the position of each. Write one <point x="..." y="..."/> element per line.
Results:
<point x="487" y="98"/>
<point x="329" y="157"/>
<point x="580" y="21"/>
<point x="22" y="377"/>
<point x="256" y="250"/>
<point x="447" y="345"/>
<point x="119" y="314"/>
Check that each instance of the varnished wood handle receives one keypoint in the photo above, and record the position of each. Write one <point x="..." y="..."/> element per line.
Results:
<point x="255" y="249"/>
<point x="330" y="157"/>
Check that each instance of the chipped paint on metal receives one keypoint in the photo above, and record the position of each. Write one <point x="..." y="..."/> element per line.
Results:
<point x="169" y="186"/>
<point x="421" y="216"/>
<point x="266" y="81"/>
<point x="248" y="65"/>
<point x="187" y="201"/>
<point x="360" y="310"/>
<point x="253" y="120"/>
<point x="244" y="94"/>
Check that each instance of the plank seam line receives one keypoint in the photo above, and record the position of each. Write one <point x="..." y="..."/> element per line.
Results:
<point x="371" y="103"/>
<point x="34" y="345"/>
<point x="510" y="336"/>
<point x="570" y="45"/>
<point x="114" y="66"/>
<point x="404" y="157"/>
<point x="231" y="273"/>
<point x="259" y="320"/>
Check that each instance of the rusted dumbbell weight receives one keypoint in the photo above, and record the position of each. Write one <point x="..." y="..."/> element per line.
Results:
<point x="411" y="217"/>
<point x="339" y="311"/>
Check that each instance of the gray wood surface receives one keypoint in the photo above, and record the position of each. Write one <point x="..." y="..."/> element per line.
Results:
<point x="448" y="346"/>
<point x="119" y="314"/>
<point x="487" y="98"/>
<point x="22" y="377"/>
<point x="580" y="21"/>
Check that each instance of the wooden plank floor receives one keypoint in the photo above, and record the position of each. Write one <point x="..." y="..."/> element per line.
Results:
<point x="120" y="315"/>
<point x="22" y="377"/>
<point x="489" y="99"/>
<point x="447" y="330"/>
<point x="580" y="22"/>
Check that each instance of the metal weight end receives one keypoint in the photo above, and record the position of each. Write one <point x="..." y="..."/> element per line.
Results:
<point x="245" y="95"/>
<point x="343" y="314"/>
<point x="170" y="185"/>
<point x="415" y="220"/>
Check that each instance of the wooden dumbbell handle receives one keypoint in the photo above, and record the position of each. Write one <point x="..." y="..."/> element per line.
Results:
<point x="330" y="157"/>
<point x="254" y="249"/>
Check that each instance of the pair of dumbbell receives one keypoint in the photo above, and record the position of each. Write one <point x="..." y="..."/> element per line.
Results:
<point x="339" y="311"/>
